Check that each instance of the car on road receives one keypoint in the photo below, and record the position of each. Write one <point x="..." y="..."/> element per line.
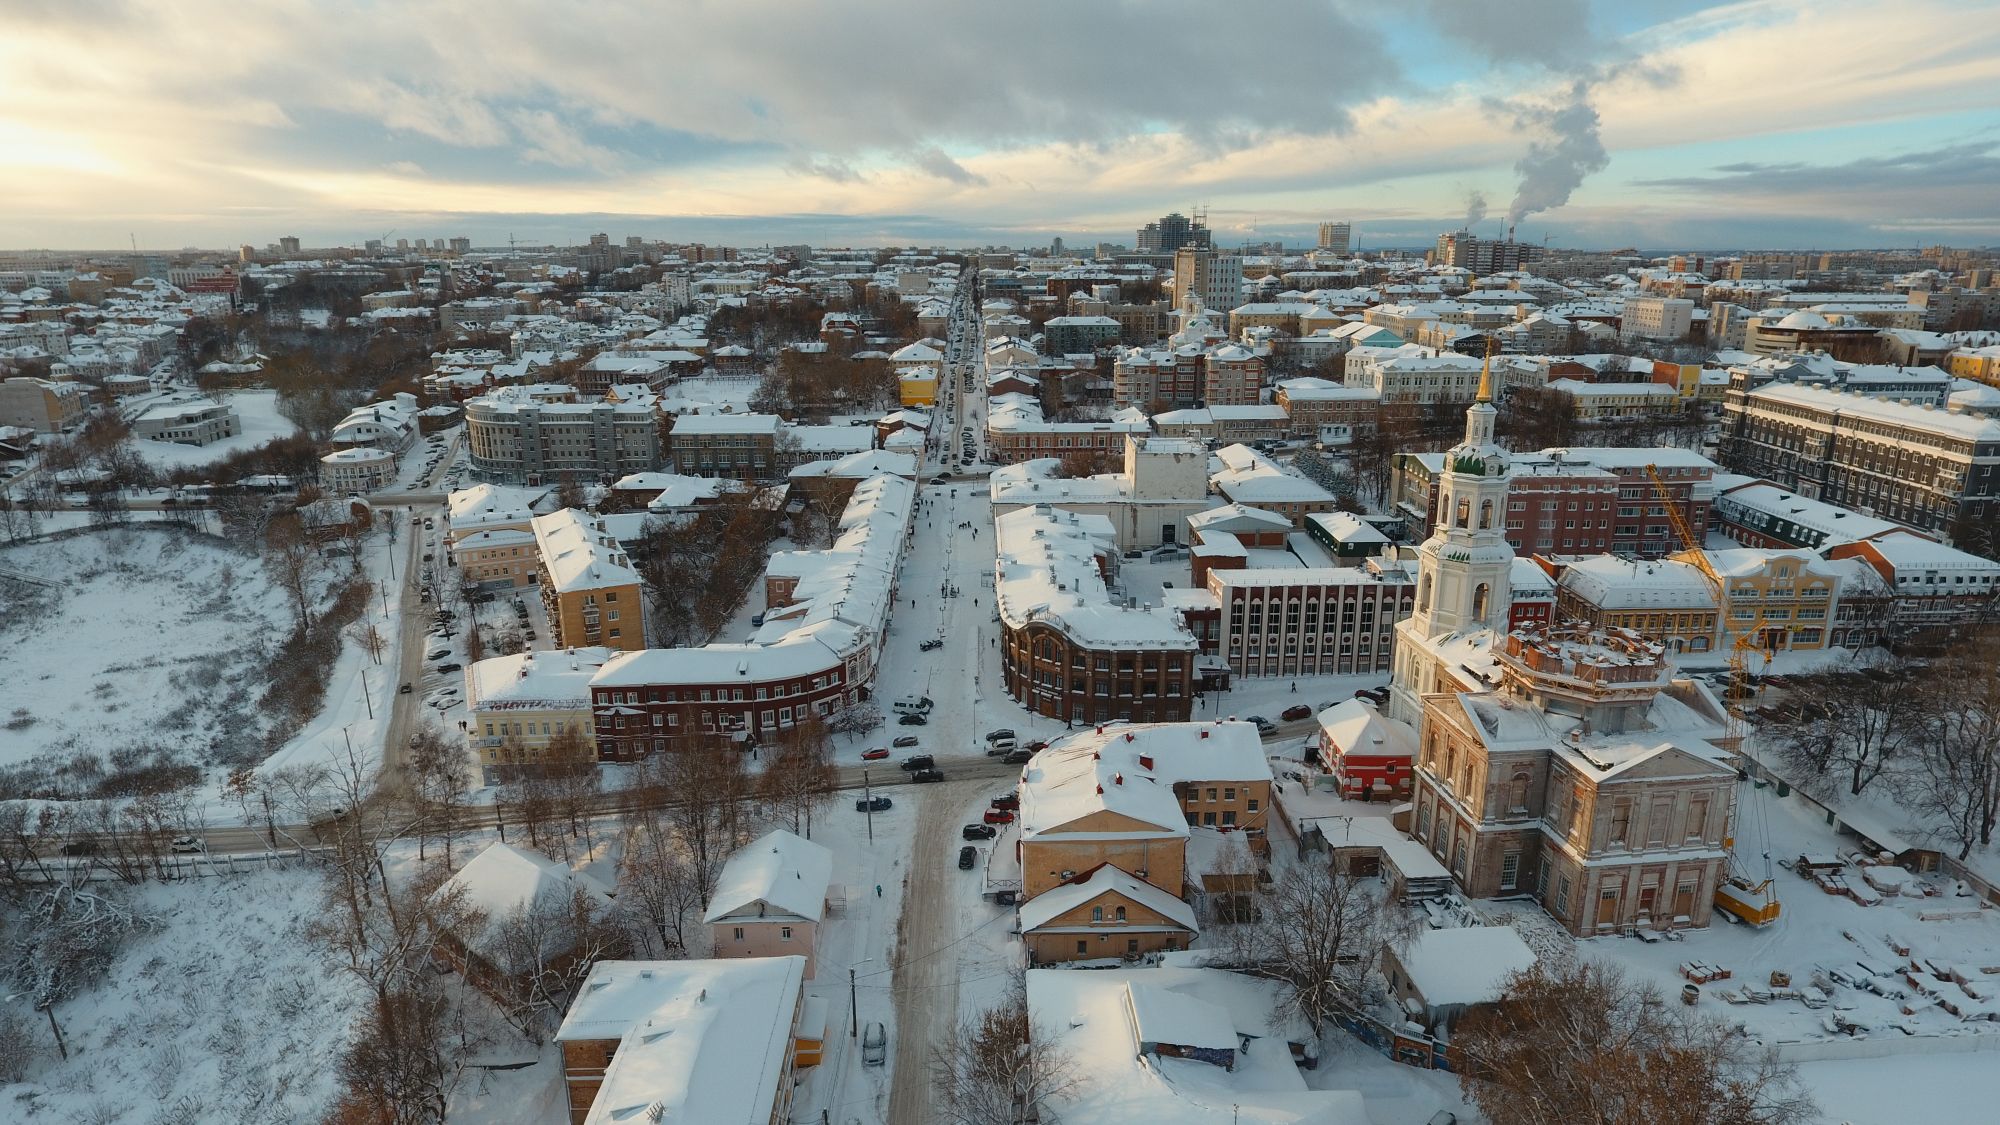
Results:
<point x="997" y="735"/>
<point x="405" y="689"/>
<point x="923" y="776"/>
<point x="1007" y="801"/>
<point x="978" y="832"/>
<point x="999" y="816"/>
<point x="939" y="479"/>
<point x="875" y="754"/>
<point x="1377" y="696"/>
<point x="1264" y="726"/>
<point x="874" y="1045"/>
<point x="931" y="644"/>
<point x="904" y="741"/>
<point x="967" y="857"/>
<point x="919" y="762"/>
<point x="187" y="845"/>
<point x="871" y="804"/>
<point x="1296" y="712"/>
<point x="1019" y="757"/>
<point x="912" y="721"/>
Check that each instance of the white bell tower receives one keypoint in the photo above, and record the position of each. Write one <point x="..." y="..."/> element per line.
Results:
<point x="1465" y="567"/>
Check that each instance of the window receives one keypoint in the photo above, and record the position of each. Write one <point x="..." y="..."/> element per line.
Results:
<point x="1097" y="914"/>
<point x="1121" y="914"/>
<point x="1510" y="870"/>
<point x="739" y="933"/>
<point x="785" y="933"/>
<point x="1211" y="794"/>
<point x="1131" y="945"/>
<point x="1562" y="896"/>
<point x="1697" y="823"/>
<point x="1229" y="794"/>
<point x="1253" y="804"/>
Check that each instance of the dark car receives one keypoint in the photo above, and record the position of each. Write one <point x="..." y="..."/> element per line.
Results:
<point x="1296" y="711"/>
<point x="1377" y="696"/>
<point x="997" y="735"/>
<point x="1264" y="725"/>
<point x="927" y="646"/>
<point x="978" y="832"/>
<point x="912" y="721"/>
<point x="905" y="741"/>
<point x="877" y="804"/>
<point x="404" y="690"/>
<point x="1007" y="801"/>
<point x="450" y="667"/>
<point x="1019" y="757"/>
<point x="918" y="762"/>
<point x="967" y="856"/>
<point x="922" y="776"/>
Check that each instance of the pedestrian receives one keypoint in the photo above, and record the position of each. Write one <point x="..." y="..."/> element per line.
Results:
<point x="878" y="890"/>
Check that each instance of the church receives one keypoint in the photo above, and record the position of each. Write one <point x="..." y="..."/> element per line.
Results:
<point x="1564" y="763"/>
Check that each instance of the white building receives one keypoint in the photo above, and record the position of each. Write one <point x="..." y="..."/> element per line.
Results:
<point x="360" y="468"/>
<point x="1164" y="481"/>
<point x="1656" y="318"/>
<point x="187" y="420"/>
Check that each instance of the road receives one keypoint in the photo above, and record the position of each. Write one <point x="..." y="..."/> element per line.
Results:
<point x="926" y="967"/>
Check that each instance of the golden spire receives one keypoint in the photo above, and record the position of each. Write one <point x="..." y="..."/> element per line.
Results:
<point x="1486" y="375"/>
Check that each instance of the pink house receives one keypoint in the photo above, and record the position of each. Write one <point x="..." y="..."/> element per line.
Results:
<point x="770" y="899"/>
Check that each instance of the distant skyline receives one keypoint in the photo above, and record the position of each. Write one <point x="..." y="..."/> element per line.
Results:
<point x="1766" y="124"/>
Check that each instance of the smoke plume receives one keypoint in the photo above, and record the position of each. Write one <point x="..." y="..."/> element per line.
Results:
<point x="1475" y="207"/>
<point x="1567" y="149"/>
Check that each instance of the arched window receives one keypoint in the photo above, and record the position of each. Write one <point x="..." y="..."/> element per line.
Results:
<point x="1464" y="513"/>
<point x="1517" y="792"/>
<point x="1424" y="594"/>
<point x="1479" y="596"/>
<point x="1485" y="515"/>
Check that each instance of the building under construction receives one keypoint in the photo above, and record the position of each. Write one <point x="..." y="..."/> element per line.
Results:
<point x="1483" y="255"/>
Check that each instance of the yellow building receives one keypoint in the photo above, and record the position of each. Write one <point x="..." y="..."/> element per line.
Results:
<point x="1979" y="364"/>
<point x="588" y="586"/>
<point x="917" y="386"/>
<point x="1792" y="594"/>
<point x="519" y="704"/>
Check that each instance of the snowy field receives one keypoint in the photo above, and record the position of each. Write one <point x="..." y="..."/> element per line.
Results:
<point x="222" y="1013"/>
<point x="150" y="639"/>
<point x="257" y="413"/>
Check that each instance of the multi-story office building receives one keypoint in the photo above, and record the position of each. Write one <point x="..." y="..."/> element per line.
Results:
<point x="518" y="438"/>
<point x="1213" y="277"/>
<point x="1170" y="232"/>
<point x="1335" y="237"/>
<point x="1656" y="318"/>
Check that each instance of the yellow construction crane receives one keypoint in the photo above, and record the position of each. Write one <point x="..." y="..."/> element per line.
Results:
<point x="1752" y="902"/>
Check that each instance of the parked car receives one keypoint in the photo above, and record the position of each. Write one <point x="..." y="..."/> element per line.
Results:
<point x="875" y="804"/>
<point x="188" y="845"/>
<point x="1019" y="757"/>
<point x="1296" y="712"/>
<point x="1007" y="801"/>
<point x="978" y="832"/>
<point x="1264" y="725"/>
<point x="1377" y="696"/>
<point x="450" y="668"/>
<point x="875" y="755"/>
<point x="922" y="776"/>
<point x="440" y="654"/>
<point x="874" y="1045"/>
<point x="997" y="735"/>
<point x="999" y="816"/>
<point x="931" y="644"/>
<point x="918" y="762"/>
<point x="967" y="856"/>
<point x="912" y="721"/>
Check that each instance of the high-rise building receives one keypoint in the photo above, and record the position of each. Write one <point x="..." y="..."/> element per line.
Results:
<point x="1335" y="237"/>
<point x="1483" y="255"/>
<point x="1172" y="231"/>
<point x="289" y="245"/>
<point x="1215" y="278"/>
<point x="461" y="245"/>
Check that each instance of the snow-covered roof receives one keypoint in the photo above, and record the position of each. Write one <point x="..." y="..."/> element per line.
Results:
<point x="548" y="679"/>
<point x="1834" y="523"/>
<point x="1971" y="427"/>
<point x="861" y="465"/>
<point x="504" y="881"/>
<point x="579" y="552"/>
<point x="1611" y="582"/>
<point x="1249" y="477"/>
<point x="1091" y="1021"/>
<point x="1356" y="728"/>
<point x="1468" y="965"/>
<point x="699" y="1041"/>
<point x="489" y="505"/>
<point x="728" y="424"/>
<point x="780" y="870"/>
<point x="1911" y="556"/>
<point x="1046" y="570"/>
<point x="1101" y="769"/>
<point x="1038" y="912"/>
<point x="1346" y="527"/>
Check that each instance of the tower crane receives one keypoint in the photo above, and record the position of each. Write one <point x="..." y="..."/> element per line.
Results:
<point x="1753" y="902"/>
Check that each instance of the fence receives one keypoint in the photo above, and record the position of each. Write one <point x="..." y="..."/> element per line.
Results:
<point x="166" y="868"/>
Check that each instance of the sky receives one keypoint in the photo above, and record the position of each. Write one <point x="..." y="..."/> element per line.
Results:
<point x="1591" y="123"/>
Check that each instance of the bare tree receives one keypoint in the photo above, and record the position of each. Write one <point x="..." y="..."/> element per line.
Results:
<point x="1584" y="1044"/>
<point x="1956" y="782"/>
<point x="1313" y="929"/>
<point x="1000" y="1069"/>
<point x="542" y="952"/>
<point x="658" y="882"/>
<point x="800" y="776"/>
<point x="294" y="563"/>
<point x="704" y="786"/>
<point x="1857" y="724"/>
<point x="570" y="767"/>
<point x="437" y="775"/>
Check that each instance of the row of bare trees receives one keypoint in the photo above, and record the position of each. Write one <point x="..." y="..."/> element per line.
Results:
<point x="1928" y="731"/>
<point x="698" y="571"/>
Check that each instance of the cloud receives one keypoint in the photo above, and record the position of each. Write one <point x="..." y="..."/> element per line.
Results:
<point x="1948" y="186"/>
<point x="826" y="168"/>
<point x="404" y="167"/>
<point x="933" y="160"/>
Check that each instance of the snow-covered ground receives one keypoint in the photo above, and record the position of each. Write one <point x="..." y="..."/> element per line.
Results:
<point x="148" y="637"/>
<point x="257" y="413"/>
<point x="222" y="1013"/>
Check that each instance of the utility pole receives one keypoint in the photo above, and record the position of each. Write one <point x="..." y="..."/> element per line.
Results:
<point x="853" y="1006"/>
<point x="868" y="802"/>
